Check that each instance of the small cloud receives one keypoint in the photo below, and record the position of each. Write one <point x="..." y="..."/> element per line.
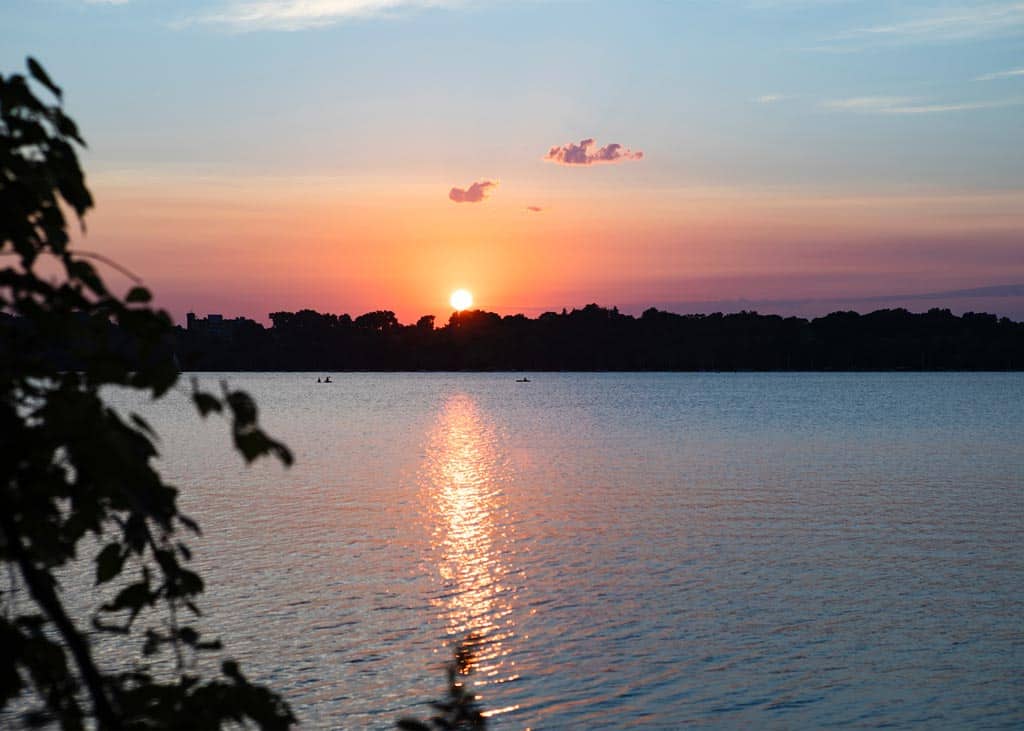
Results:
<point x="905" y="105"/>
<point x="534" y="209"/>
<point x="955" y="107"/>
<point x="292" y="15"/>
<point x="587" y="153"/>
<point x="867" y="103"/>
<point x="953" y="23"/>
<point x="772" y="98"/>
<point x="1001" y="75"/>
<point x="474" y="193"/>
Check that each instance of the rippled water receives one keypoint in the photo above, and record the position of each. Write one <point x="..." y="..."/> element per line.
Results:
<point x="639" y="550"/>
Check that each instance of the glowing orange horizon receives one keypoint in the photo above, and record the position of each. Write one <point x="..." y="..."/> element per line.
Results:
<point x="351" y="248"/>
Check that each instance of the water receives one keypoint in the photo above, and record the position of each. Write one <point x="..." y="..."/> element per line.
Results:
<point x="633" y="550"/>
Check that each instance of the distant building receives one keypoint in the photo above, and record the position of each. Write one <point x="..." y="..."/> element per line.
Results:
<point x="215" y="325"/>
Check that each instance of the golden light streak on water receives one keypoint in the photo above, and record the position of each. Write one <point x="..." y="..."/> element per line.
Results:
<point x="463" y="480"/>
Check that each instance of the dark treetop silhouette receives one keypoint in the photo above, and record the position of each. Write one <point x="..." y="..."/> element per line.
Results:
<point x="596" y="338"/>
<point x="74" y="472"/>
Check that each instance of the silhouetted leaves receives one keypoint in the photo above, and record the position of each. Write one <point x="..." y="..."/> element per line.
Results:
<point x="138" y="294"/>
<point x="142" y="425"/>
<point x="109" y="563"/>
<point x="253" y="443"/>
<point x="250" y="440"/>
<point x="206" y="403"/>
<point x="460" y="709"/>
<point x="41" y="76"/>
<point x="132" y="598"/>
<point x="71" y="466"/>
<point x="243" y="408"/>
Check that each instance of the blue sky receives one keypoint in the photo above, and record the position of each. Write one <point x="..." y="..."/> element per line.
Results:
<point x="729" y="92"/>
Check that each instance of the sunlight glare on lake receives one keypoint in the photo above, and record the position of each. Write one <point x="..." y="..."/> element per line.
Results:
<point x="462" y="480"/>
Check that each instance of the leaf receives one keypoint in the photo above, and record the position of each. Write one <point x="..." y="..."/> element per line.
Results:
<point x="109" y="563"/>
<point x="411" y="724"/>
<point x="190" y="524"/>
<point x="42" y="77"/>
<point x="132" y="597"/>
<point x="143" y="425"/>
<point x="251" y="444"/>
<point x="138" y="294"/>
<point x="283" y="453"/>
<point x="67" y="127"/>
<point x="190" y="582"/>
<point x="85" y="272"/>
<point x="254" y="443"/>
<point x="243" y="408"/>
<point x="152" y="645"/>
<point x="206" y="403"/>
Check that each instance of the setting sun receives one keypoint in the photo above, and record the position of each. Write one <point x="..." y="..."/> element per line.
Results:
<point x="461" y="299"/>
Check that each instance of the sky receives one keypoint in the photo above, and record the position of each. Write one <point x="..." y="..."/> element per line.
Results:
<point x="791" y="156"/>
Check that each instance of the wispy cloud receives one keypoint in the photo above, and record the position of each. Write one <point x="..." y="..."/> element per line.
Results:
<point x="246" y="15"/>
<point x="966" y="22"/>
<point x="588" y="153"/>
<point x="1000" y="75"/>
<point x="473" y="194"/>
<point x="867" y="103"/>
<point x="907" y="105"/>
<point x="772" y="98"/>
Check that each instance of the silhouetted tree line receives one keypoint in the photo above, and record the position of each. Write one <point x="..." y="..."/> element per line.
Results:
<point x="595" y="338"/>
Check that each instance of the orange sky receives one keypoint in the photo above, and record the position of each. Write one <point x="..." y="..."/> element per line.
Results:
<point x="253" y="245"/>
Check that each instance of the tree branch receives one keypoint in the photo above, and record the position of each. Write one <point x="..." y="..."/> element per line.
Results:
<point x="42" y="592"/>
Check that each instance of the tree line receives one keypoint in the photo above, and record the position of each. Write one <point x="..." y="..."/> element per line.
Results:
<point x="596" y="338"/>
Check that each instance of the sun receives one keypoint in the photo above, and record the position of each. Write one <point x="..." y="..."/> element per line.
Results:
<point x="461" y="299"/>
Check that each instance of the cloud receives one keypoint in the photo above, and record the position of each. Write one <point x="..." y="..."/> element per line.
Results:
<point x="246" y="15"/>
<point x="587" y="153"/>
<point x="906" y="105"/>
<point x="474" y="193"/>
<point x="947" y="24"/>
<point x="867" y="103"/>
<point x="957" y="107"/>
<point x="772" y="98"/>
<point x="1001" y="75"/>
<point x="534" y="209"/>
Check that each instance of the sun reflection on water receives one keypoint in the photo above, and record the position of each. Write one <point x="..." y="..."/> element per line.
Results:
<point x="463" y="482"/>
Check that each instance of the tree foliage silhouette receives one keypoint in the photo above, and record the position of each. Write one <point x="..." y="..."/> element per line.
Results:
<point x="595" y="338"/>
<point x="74" y="471"/>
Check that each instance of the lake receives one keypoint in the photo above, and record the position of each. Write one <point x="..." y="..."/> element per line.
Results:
<point x="631" y="550"/>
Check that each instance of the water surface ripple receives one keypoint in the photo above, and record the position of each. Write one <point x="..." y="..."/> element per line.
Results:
<point x="627" y="550"/>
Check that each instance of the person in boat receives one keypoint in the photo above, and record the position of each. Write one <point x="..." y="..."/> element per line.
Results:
<point x="327" y="380"/>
